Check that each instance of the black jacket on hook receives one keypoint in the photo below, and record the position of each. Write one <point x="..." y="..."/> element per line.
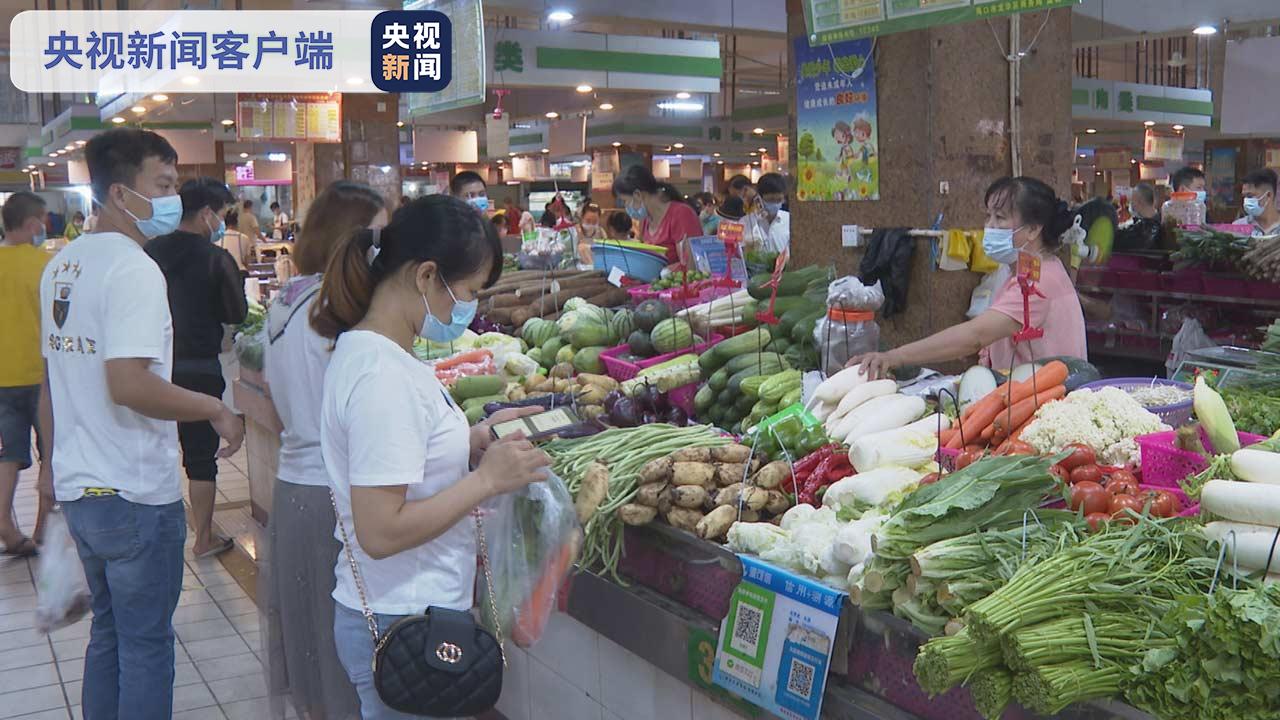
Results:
<point x="888" y="260"/>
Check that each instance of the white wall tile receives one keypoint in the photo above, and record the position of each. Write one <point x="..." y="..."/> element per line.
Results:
<point x="514" y="703"/>
<point x="551" y="696"/>
<point x="570" y="649"/>
<point x="637" y="690"/>
<point x="704" y="708"/>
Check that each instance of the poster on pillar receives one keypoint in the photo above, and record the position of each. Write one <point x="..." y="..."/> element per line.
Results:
<point x="837" y="150"/>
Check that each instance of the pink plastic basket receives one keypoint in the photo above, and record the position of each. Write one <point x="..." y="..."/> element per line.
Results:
<point x="682" y="397"/>
<point x="1135" y="280"/>
<point x="640" y="293"/>
<point x="1182" y="281"/>
<point x="620" y="369"/>
<point x="1163" y="465"/>
<point x="1264" y="290"/>
<point x="1225" y="285"/>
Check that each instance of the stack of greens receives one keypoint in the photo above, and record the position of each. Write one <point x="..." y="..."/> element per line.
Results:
<point x="1271" y="344"/>
<point x="1225" y="663"/>
<point x="1254" y="409"/>
<point x="1210" y="248"/>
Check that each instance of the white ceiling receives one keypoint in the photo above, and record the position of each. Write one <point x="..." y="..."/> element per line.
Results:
<point x="1162" y="16"/>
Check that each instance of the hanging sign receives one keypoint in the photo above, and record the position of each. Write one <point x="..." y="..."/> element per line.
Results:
<point x="1112" y="158"/>
<point x="838" y="147"/>
<point x="1272" y="156"/>
<point x="1163" y="145"/>
<point x="836" y="20"/>
<point x="313" y="117"/>
<point x="775" y="644"/>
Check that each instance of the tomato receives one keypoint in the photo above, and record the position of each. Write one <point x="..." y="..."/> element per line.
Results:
<point x="930" y="479"/>
<point x="1089" y="495"/>
<point x="1081" y="454"/>
<point x="1085" y="473"/>
<point x="1097" y="520"/>
<point x="1161" y="503"/>
<point x="1018" y="447"/>
<point x="1122" y="475"/>
<point x="1121" y="486"/>
<point x="1061" y="473"/>
<point x="1175" y="504"/>
<point x="1120" y="504"/>
<point x="968" y="457"/>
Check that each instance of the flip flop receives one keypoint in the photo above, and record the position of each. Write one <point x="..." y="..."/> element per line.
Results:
<point x="224" y="544"/>
<point x="24" y="549"/>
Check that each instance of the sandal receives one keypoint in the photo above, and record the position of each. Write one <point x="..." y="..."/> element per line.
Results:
<point x="24" y="549"/>
<point x="222" y="545"/>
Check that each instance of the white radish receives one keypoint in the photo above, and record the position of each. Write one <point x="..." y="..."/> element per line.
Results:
<point x="1249" y="548"/>
<point x="1253" y="503"/>
<point x="863" y="393"/>
<point x="822" y="410"/>
<point x="841" y="427"/>
<point x="903" y="411"/>
<point x="1256" y="466"/>
<point x="930" y="423"/>
<point x="838" y="385"/>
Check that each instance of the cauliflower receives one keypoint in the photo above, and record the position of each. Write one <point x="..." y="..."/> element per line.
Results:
<point x="1107" y="420"/>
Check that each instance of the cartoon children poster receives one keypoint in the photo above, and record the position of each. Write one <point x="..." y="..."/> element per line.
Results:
<point x="838" y="139"/>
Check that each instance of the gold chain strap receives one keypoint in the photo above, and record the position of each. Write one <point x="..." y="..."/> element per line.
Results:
<point x="378" y="642"/>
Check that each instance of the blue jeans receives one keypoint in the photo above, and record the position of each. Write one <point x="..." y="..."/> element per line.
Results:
<point x="132" y="557"/>
<point x="355" y="651"/>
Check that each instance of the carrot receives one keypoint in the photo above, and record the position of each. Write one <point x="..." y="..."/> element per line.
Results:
<point x="1053" y="373"/>
<point x="532" y="616"/>
<point x="471" y="356"/>
<point x="1019" y="414"/>
<point x="993" y="398"/>
<point x="980" y="419"/>
<point x="945" y="435"/>
<point x="1017" y="434"/>
<point x="954" y="442"/>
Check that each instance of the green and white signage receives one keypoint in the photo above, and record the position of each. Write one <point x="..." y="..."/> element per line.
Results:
<point x="830" y="21"/>
<point x="1110" y="100"/>
<point x="530" y="58"/>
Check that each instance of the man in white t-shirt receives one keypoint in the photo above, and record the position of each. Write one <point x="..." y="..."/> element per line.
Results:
<point x="775" y="223"/>
<point x="279" y="223"/>
<point x="1261" y="209"/>
<point x="107" y="338"/>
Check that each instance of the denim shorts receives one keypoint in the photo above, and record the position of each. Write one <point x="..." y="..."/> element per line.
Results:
<point x="18" y="408"/>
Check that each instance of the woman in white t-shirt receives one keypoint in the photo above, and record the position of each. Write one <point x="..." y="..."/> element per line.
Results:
<point x="297" y="562"/>
<point x="396" y="447"/>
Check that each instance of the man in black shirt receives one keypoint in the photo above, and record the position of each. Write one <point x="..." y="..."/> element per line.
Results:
<point x="205" y="293"/>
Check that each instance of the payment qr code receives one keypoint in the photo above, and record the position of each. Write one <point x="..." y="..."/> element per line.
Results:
<point x="746" y="629"/>
<point x="800" y="678"/>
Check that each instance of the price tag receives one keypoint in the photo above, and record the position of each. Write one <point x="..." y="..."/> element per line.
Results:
<point x="615" y="276"/>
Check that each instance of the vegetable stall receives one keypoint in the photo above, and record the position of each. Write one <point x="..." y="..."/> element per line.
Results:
<point x="1036" y="543"/>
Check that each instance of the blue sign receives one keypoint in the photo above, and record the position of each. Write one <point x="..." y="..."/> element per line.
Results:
<point x="411" y="51"/>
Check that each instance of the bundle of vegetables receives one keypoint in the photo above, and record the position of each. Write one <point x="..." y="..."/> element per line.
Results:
<point x="1254" y="410"/>
<point x="1262" y="260"/>
<point x="1106" y="420"/>
<point x="945" y="662"/>
<point x="721" y="312"/>
<point x="1225" y="664"/>
<point x="1212" y="248"/>
<point x="706" y="490"/>
<point x="609" y="495"/>
<point x="984" y="494"/>
<point x="1007" y="412"/>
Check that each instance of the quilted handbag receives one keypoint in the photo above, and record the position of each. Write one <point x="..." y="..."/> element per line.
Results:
<point x="440" y="663"/>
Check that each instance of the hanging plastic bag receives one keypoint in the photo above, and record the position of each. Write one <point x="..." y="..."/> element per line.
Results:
<point x="533" y="537"/>
<point x="848" y="293"/>
<point x="62" y="593"/>
<point x="1190" y="337"/>
<point x="987" y="289"/>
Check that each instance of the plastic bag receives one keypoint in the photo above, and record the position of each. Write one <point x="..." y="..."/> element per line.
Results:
<point x="533" y="537"/>
<point x="987" y="289"/>
<point x="249" y="348"/>
<point x="1191" y="337"/>
<point x="848" y="293"/>
<point x="839" y="340"/>
<point x="62" y="593"/>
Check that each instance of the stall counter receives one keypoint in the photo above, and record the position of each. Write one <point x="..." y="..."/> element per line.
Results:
<point x="262" y="429"/>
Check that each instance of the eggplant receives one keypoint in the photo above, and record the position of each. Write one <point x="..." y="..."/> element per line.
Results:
<point x="624" y="413"/>
<point x="546" y="401"/>
<point x="647" y="398"/>
<point x="661" y="403"/>
<point x="582" y="429"/>
<point x="677" y="416"/>
<point x="613" y="397"/>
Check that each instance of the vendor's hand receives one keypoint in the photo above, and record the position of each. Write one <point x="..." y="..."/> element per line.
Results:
<point x="481" y="432"/>
<point x="511" y="463"/>
<point x="875" y="365"/>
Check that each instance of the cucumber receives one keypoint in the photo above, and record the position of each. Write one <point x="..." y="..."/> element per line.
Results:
<point x="768" y="367"/>
<point x="747" y="342"/>
<point x="753" y="359"/>
<point x="744" y="404"/>
<point x="716" y="414"/>
<point x="779" y="345"/>
<point x="803" y="328"/>
<point x="751" y="386"/>
<point x="473" y="386"/>
<point x="718" y="380"/>
<point x="704" y="399"/>
<point x="792" y="397"/>
<point x="791" y="283"/>
<point x="789" y="319"/>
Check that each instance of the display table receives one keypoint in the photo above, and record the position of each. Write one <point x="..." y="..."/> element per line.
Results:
<point x="261" y="439"/>
<point x="669" y="617"/>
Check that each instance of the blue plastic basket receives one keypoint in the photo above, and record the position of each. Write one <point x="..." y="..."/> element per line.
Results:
<point x="643" y="266"/>
<point x="1174" y="415"/>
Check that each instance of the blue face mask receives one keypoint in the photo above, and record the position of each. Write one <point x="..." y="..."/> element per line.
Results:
<point x="40" y="237"/>
<point x="639" y="213"/>
<point x="1253" y="207"/>
<point x="997" y="243"/>
<point x="216" y="234"/>
<point x="773" y="208"/>
<point x="460" y="318"/>
<point x="479" y="202"/>
<point x="1201" y="195"/>
<point x="166" y="213"/>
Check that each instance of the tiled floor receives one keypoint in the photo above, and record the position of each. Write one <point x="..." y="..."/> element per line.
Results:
<point x="218" y="672"/>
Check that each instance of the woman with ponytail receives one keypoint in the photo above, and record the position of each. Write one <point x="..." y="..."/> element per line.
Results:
<point x="396" y="447"/>
<point x="664" y="217"/>
<point x="297" y="560"/>
<point x="1024" y="217"/>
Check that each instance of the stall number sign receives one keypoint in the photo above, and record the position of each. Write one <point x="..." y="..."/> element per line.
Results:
<point x="775" y="644"/>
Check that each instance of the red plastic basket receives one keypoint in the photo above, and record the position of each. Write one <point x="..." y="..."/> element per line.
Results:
<point x="1133" y="280"/>
<point x="682" y="397"/>
<point x="640" y="293"/>
<point x="620" y="369"/>
<point x="1182" y="281"/>
<point x="1264" y="290"/>
<point x="1163" y="464"/>
<point x="1225" y="285"/>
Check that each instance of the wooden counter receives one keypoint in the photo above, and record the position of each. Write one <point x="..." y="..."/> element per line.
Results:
<point x="261" y="439"/>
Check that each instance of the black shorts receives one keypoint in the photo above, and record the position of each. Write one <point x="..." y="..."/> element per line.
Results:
<point x="18" y="411"/>
<point x="199" y="440"/>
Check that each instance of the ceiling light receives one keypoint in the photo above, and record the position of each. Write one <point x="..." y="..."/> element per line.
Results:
<point x="228" y="121"/>
<point x="51" y="164"/>
<point x="1082" y="156"/>
<point x="69" y="147"/>
<point x="138" y="109"/>
<point x="59" y="153"/>
<point x="679" y="156"/>
<point x="715" y="154"/>
<point x="1150" y="123"/>
<point x="244" y="155"/>
<point x="117" y="120"/>
<point x="511" y="154"/>
<point x="31" y="167"/>
<point x="606" y="106"/>
<point x="763" y="150"/>
<point x="683" y="106"/>
<point x="560" y="16"/>
<point x="756" y="163"/>
<point x="1132" y="161"/>
<point x="1205" y="30"/>
<point x="754" y="153"/>
<point x="159" y="97"/>
<point x="80" y="143"/>
<point x="584" y="88"/>
<point x="53" y="154"/>
<point x="552" y="115"/>
<point x="758" y="131"/>
<point x="615" y="143"/>
<point x="353" y="80"/>
<point x="719" y="162"/>
<point x="545" y="151"/>
<point x="1178" y="128"/>
<point x="1091" y="131"/>
<point x="682" y="95"/>
<point x="399" y="123"/>
<point x="190" y="80"/>
<point x="678" y="146"/>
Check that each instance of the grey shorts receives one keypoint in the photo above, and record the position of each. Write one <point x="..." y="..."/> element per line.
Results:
<point x="18" y="408"/>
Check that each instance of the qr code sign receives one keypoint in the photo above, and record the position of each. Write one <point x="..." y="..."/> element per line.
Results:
<point x="746" y="629"/>
<point x="800" y="678"/>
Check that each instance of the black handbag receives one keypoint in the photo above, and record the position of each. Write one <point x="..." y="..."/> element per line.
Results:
<point x="440" y="663"/>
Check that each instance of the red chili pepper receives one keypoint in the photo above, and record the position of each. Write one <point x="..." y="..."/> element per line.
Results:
<point x="818" y="478"/>
<point x="808" y="462"/>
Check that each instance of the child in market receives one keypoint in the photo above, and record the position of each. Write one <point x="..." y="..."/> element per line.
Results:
<point x="589" y="231"/>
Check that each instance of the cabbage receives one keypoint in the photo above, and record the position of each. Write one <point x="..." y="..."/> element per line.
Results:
<point x="519" y="365"/>
<point x="754" y="538"/>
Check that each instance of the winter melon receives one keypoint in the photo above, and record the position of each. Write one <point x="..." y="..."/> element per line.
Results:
<point x="649" y="313"/>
